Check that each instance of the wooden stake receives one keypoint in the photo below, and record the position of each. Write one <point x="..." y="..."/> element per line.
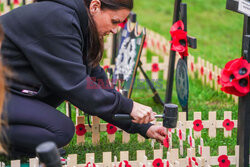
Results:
<point x="107" y="159"/>
<point x="72" y="160"/>
<point x="212" y="124"/>
<point x="95" y="130"/>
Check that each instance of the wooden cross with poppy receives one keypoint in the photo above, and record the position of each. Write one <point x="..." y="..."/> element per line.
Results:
<point x="243" y="136"/>
<point x="180" y="13"/>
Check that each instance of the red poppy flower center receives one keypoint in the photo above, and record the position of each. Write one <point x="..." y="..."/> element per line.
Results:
<point x="182" y="42"/>
<point x="231" y="77"/>
<point x="242" y="71"/>
<point x="80" y="128"/>
<point x="223" y="161"/>
<point x="243" y="82"/>
<point x="111" y="127"/>
<point x="228" y="124"/>
<point x="158" y="164"/>
<point x="197" y="124"/>
<point x="218" y="79"/>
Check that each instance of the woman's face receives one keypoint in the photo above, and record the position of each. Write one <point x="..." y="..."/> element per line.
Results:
<point x="107" y="20"/>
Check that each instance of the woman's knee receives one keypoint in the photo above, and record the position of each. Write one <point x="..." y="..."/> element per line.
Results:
<point x="66" y="134"/>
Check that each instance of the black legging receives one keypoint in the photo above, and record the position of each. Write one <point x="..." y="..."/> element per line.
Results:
<point x="31" y="122"/>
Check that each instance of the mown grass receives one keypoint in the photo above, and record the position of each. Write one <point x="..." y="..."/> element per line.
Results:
<point x="218" y="31"/>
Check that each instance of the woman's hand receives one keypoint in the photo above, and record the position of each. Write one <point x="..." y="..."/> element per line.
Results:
<point x="142" y="114"/>
<point x="157" y="132"/>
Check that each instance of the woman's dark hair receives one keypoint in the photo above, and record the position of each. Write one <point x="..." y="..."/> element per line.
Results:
<point x="3" y="73"/>
<point x="95" y="44"/>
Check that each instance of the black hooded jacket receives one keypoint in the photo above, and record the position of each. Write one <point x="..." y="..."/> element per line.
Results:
<point x="45" y="47"/>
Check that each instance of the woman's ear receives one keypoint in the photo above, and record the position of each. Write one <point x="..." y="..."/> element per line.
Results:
<point x="95" y="7"/>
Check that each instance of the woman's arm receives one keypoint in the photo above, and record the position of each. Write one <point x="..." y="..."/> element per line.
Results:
<point x="57" y="61"/>
<point x="98" y="74"/>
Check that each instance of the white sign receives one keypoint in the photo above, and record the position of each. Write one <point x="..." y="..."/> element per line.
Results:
<point x="244" y="7"/>
<point x="125" y="60"/>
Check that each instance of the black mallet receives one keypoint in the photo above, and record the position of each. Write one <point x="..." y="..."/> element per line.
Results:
<point x="170" y="116"/>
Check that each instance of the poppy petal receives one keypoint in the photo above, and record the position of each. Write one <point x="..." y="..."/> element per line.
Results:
<point x="80" y="130"/>
<point x="157" y="163"/>
<point x="197" y="125"/>
<point x="111" y="129"/>
<point x="126" y="163"/>
<point x="89" y="164"/>
<point x="166" y="142"/>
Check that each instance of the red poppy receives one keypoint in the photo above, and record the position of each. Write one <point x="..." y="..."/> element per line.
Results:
<point x="180" y="134"/>
<point x="164" y="48"/>
<point x="202" y="70"/>
<point x="152" y="42"/>
<point x="80" y="130"/>
<point x="111" y="129"/>
<point x="63" y="160"/>
<point x="190" y="141"/>
<point x="223" y="161"/>
<point x="145" y="44"/>
<point x="179" y="39"/>
<point x="210" y="76"/>
<point x="200" y="150"/>
<point x="105" y="67"/>
<point x="166" y="142"/>
<point x="16" y="2"/>
<point x="218" y="79"/>
<point x="194" y="159"/>
<point x="158" y="45"/>
<point x="168" y="165"/>
<point x="158" y="163"/>
<point x="89" y="165"/>
<point x="192" y="66"/>
<point x="177" y="26"/>
<point x="155" y="67"/>
<point x="122" y="25"/>
<point x="229" y="125"/>
<point x="126" y="164"/>
<point x="235" y="77"/>
<point x="190" y="161"/>
<point x="197" y="125"/>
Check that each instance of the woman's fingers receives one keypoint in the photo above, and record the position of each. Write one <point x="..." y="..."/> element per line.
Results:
<point x="142" y="114"/>
<point x="159" y="137"/>
<point x="147" y="119"/>
<point x="152" y="116"/>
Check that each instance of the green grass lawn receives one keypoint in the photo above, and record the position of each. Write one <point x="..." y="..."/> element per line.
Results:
<point x="218" y="31"/>
<point x="219" y="34"/>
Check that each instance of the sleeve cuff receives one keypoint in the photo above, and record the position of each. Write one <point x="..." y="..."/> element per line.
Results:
<point x="143" y="128"/>
<point x="126" y="105"/>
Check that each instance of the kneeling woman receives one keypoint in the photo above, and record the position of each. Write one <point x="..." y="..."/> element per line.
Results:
<point x="54" y="47"/>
